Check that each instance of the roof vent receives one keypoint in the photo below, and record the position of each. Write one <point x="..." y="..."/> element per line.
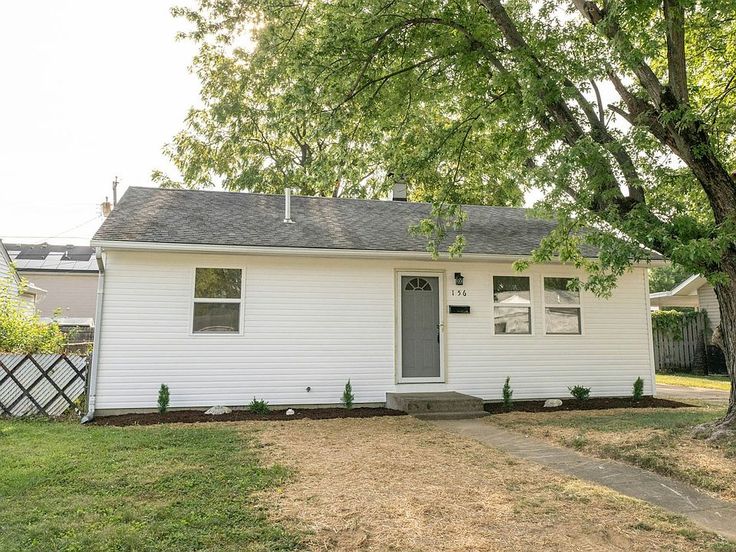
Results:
<point x="399" y="190"/>
<point x="287" y="206"/>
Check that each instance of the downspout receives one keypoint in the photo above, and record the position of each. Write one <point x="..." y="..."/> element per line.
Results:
<point x="92" y="384"/>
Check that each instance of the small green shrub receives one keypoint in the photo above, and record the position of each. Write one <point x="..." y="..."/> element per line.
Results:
<point x="163" y="398"/>
<point x="259" y="406"/>
<point x="23" y="332"/>
<point x="347" y="396"/>
<point x="580" y="393"/>
<point x="507" y="394"/>
<point x="638" y="391"/>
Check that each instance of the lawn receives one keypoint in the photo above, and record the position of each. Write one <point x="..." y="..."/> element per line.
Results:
<point x="65" y="487"/>
<point x="399" y="484"/>
<point x="692" y="380"/>
<point x="655" y="439"/>
<point x="369" y="485"/>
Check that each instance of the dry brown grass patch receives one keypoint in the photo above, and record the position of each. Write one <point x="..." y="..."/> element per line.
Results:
<point x="669" y="451"/>
<point x="397" y="484"/>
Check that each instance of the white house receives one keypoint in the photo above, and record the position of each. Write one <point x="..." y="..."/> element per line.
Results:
<point x="225" y="297"/>
<point x="695" y="292"/>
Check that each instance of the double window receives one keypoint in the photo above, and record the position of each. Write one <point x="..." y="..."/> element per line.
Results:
<point x="561" y="306"/>
<point x="218" y="298"/>
<point x="512" y="305"/>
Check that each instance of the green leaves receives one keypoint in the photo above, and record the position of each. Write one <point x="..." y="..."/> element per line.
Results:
<point x="23" y="332"/>
<point x="332" y="98"/>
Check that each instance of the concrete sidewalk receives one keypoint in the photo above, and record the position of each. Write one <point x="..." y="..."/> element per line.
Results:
<point x="710" y="513"/>
<point x="674" y="392"/>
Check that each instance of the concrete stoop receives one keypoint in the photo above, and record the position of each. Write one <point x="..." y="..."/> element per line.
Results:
<point x="437" y="406"/>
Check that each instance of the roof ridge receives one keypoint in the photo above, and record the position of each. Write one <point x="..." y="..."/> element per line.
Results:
<point x="320" y="198"/>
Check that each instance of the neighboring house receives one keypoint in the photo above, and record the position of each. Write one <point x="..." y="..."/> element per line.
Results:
<point x="69" y="275"/>
<point x="225" y="297"/>
<point x="695" y="292"/>
<point x="29" y="295"/>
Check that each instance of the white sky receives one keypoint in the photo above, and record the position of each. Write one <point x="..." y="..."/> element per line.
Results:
<point x="90" y="90"/>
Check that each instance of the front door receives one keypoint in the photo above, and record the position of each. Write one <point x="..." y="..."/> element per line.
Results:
<point x="420" y="328"/>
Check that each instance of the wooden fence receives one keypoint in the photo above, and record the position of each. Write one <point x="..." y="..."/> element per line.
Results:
<point x="683" y="350"/>
<point x="47" y="384"/>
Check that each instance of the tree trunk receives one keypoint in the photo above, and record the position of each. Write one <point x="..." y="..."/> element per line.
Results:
<point x="726" y="335"/>
<point x="726" y="294"/>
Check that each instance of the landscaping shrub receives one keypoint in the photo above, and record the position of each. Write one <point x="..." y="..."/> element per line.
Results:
<point x="163" y="398"/>
<point x="580" y="393"/>
<point x="671" y="322"/>
<point x="23" y="332"/>
<point x="638" y="391"/>
<point x="258" y="406"/>
<point x="507" y="393"/>
<point x="347" y="396"/>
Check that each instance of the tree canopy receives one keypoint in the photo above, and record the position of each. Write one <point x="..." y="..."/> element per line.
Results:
<point x="480" y="102"/>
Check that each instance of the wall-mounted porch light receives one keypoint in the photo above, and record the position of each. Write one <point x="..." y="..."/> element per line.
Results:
<point x="458" y="279"/>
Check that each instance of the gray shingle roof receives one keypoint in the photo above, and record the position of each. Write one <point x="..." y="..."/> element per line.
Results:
<point x="243" y="219"/>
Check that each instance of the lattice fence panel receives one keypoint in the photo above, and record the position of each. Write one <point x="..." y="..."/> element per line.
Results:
<point x="47" y="384"/>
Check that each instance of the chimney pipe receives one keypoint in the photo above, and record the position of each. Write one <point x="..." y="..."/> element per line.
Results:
<point x="287" y="206"/>
<point x="398" y="193"/>
<point x="114" y="192"/>
<point x="106" y="208"/>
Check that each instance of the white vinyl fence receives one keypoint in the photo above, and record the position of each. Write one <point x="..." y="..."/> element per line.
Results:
<point x="46" y="384"/>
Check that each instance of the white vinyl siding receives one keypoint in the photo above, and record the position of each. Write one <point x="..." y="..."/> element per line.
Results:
<point x="315" y="322"/>
<point x="709" y="303"/>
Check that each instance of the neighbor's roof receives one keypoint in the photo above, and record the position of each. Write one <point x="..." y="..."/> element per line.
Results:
<point x="167" y="216"/>
<point x="52" y="258"/>
<point x="688" y="287"/>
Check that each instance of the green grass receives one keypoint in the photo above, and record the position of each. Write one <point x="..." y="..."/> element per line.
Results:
<point x="658" y="440"/>
<point x="691" y="380"/>
<point x="628" y="420"/>
<point x="71" y="488"/>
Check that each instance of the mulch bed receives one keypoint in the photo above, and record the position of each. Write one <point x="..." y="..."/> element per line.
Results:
<point x="197" y="416"/>
<point x="601" y="403"/>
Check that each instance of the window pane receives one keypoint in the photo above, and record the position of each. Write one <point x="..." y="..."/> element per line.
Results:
<point x="511" y="289"/>
<point x="562" y="320"/>
<point x="217" y="317"/>
<point x="217" y="283"/>
<point x="512" y="320"/>
<point x="556" y="292"/>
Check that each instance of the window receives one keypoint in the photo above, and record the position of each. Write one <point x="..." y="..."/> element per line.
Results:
<point x="512" y="300"/>
<point x="562" y="306"/>
<point x="217" y="300"/>
<point x="418" y="284"/>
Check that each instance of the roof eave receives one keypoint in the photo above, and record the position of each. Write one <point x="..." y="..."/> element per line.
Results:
<point x="312" y="252"/>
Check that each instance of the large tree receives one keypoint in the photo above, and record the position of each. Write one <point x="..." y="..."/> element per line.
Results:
<point x="623" y="114"/>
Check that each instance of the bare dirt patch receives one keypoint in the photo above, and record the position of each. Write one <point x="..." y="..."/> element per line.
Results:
<point x="197" y="416"/>
<point x="398" y="484"/>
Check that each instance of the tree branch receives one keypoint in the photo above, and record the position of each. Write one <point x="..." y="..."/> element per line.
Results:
<point x="598" y="100"/>
<point x="612" y="30"/>
<point x="674" y="17"/>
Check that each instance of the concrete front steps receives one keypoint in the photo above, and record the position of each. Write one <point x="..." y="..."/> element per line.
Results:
<point x="437" y="406"/>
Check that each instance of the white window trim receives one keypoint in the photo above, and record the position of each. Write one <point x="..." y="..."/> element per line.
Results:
<point x="240" y="300"/>
<point x="529" y="305"/>
<point x="578" y="305"/>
